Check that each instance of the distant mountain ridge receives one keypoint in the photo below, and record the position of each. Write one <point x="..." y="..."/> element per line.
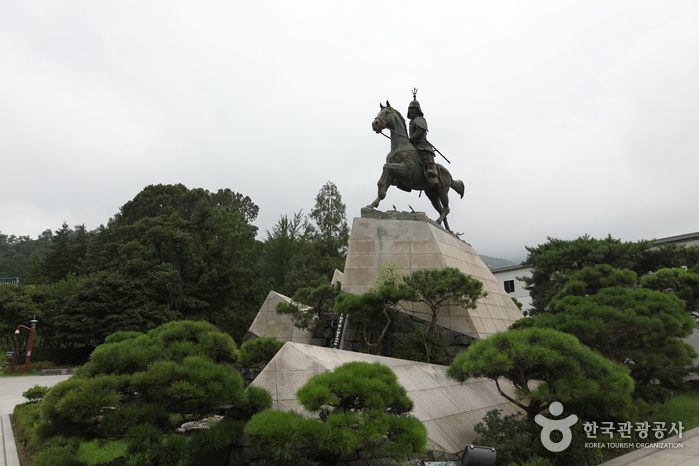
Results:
<point x="496" y="263"/>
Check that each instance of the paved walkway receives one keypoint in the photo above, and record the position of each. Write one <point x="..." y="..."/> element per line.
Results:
<point x="11" y="389"/>
<point x="688" y="455"/>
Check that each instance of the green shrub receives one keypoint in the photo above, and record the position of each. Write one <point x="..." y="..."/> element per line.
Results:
<point x="257" y="399"/>
<point x="26" y="417"/>
<point x="671" y="380"/>
<point x="360" y="406"/>
<point x="414" y="347"/>
<point x="137" y="390"/>
<point x="258" y="352"/>
<point x="513" y="436"/>
<point x="652" y="393"/>
<point x="34" y="366"/>
<point x="35" y="394"/>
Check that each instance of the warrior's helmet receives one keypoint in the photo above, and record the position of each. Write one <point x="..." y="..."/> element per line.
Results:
<point x="414" y="102"/>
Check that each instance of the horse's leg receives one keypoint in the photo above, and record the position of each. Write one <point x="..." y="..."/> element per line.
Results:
<point x="383" y="184"/>
<point x="433" y="196"/>
<point x="444" y="198"/>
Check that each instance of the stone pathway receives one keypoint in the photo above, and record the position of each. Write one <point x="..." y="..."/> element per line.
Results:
<point x="11" y="389"/>
<point x="688" y="455"/>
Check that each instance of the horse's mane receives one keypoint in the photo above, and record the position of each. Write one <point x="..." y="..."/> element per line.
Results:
<point x="402" y="120"/>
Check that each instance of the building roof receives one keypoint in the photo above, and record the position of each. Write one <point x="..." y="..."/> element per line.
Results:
<point x="679" y="239"/>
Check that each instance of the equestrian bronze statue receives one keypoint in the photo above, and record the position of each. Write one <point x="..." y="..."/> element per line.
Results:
<point x="410" y="163"/>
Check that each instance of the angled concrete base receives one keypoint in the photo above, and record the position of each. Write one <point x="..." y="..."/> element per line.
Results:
<point x="268" y="323"/>
<point x="421" y="244"/>
<point x="448" y="409"/>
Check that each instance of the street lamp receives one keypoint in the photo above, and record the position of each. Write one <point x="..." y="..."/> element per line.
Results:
<point x="31" y="341"/>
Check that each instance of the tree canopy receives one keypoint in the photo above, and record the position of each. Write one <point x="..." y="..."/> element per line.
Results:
<point x="545" y="366"/>
<point x="436" y="288"/>
<point x="606" y="310"/>
<point x="142" y="387"/>
<point x="552" y="263"/>
<point x="303" y="252"/>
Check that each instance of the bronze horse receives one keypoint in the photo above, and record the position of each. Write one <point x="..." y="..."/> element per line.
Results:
<point x="403" y="167"/>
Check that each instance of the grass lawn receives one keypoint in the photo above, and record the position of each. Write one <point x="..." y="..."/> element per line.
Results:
<point x="683" y="407"/>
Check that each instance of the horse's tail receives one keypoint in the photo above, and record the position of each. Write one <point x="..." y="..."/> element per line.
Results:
<point x="458" y="186"/>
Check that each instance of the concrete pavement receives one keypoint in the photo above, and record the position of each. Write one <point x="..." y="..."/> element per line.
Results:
<point x="688" y="455"/>
<point x="11" y="389"/>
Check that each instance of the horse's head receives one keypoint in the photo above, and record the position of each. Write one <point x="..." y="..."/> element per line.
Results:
<point x="387" y="119"/>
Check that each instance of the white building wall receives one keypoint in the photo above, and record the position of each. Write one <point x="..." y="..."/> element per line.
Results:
<point x="504" y="274"/>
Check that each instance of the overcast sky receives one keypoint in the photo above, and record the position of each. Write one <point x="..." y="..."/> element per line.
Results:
<point x="561" y="118"/>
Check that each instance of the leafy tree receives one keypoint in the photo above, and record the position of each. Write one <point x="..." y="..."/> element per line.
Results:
<point x="309" y="305"/>
<point x="303" y="252"/>
<point x="16" y="254"/>
<point x="360" y="406"/>
<point x="258" y="352"/>
<point x="374" y="308"/>
<point x="16" y="308"/>
<point x="682" y="283"/>
<point x="437" y="288"/>
<point x="104" y="303"/>
<point x="545" y="366"/>
<point x="140" y="388"/>
<point x="553" y="262"/>
<point x="279" y="250"/>
<point x="166" y="200"/>
<point x="512" y="435"/>
<point x="329" y="216"/>
<point x="606" y="311"/>
<point x="65" y="253"/>
<point x="189" y="253"/>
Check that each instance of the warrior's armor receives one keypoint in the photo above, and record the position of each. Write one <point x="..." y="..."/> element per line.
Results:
<point x="418" y="136"/>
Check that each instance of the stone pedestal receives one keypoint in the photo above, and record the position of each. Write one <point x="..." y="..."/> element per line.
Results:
<point x="414" y="242"/>
<point x="268" y="323"/>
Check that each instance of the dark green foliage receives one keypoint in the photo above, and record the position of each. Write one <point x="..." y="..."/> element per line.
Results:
<point x="606" y="311"/>
<point x="360" y="406"/>
<point x="280" y="248"/>
<point x="36" y="393"/>
<point x="256" y="399"/>
<point x="309" y="305"/>
<point x="652" y="393"/>
<point x="414" y="347"/>
<point x="437" y="288"/>
<point x="220" y="435"/>
<point x="682" y="283"/>
<point x="553" y="262"/>
<point x="301" y="253"/>
<point x="165" y="200"/>
<point x="258" y="352"/>
<point x="105" y="302"/>
<point x="177" y="253"/>
<point x="546" y="365"/>
<point x="66" y="251"/>
<point x="18" y="253"/>
<point x="375" y="312"/>
<point x="513" y="436"/>
<point x="16" y="307"/>
<point x="142" y="387"/>
<point x="286" y="437"/>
